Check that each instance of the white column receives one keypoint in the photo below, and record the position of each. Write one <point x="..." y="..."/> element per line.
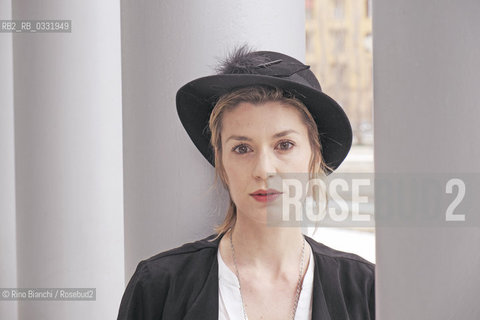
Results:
<point x="68" y="153"/>
<point x="166" y="44"/>
<point x="426" y="83"/>
<point x="8" y="256"/>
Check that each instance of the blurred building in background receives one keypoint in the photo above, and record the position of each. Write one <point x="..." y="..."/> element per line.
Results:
<point x="339" y="51"/>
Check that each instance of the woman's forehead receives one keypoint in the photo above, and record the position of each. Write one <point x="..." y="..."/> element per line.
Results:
<point x="246" y="111"/>
<point x="267" y="118"/>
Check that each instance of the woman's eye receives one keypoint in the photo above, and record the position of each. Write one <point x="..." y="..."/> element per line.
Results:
<point x="241" y="149"/>
<point x="285" y="145"/>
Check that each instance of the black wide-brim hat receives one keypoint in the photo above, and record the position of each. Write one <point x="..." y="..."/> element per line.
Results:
<point x="196" y="99"/>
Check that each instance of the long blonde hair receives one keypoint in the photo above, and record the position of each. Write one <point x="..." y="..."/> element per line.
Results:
<point x="259" y="95"/>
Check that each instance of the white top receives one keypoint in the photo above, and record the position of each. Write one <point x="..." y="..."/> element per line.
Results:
<point x="230" y="302"/>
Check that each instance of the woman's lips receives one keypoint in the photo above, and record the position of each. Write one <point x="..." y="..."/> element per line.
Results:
<point x="266" y="197"/>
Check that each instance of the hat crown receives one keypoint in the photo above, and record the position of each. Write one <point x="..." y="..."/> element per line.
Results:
<point x="268" y="63"/>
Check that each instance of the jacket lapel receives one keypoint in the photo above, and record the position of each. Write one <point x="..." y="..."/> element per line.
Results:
<point x="319" y="305"/>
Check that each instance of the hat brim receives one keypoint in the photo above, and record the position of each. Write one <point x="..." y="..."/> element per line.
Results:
<point x="195" y="101"/>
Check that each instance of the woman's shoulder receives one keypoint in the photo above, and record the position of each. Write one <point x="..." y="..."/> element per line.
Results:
<point x="198" y="246"/>
<point x="179" y="273"/>
<point x="192" y="254"/>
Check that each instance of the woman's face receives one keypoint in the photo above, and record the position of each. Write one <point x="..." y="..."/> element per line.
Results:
<point x="259" y="141"/>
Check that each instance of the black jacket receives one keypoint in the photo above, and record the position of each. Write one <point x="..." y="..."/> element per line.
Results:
<point x="182" y="283"/>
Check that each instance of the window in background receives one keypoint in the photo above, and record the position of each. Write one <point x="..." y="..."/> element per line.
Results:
<point x="338" y="9"/>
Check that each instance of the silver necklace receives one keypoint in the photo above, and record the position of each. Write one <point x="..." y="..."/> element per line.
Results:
<point x="299" y="284"/>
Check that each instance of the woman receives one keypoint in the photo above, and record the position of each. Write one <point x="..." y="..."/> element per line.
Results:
<point x="266" y="116"/>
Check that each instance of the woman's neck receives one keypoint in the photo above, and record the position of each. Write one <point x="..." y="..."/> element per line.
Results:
<point x="274" y="251"/>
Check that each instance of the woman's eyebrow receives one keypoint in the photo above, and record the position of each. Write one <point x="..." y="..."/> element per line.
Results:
<point x="276" y="135"/>
<point x="284" y="133"/>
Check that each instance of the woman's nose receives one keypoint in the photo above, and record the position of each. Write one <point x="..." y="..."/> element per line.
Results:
<point x="264" y="165"/>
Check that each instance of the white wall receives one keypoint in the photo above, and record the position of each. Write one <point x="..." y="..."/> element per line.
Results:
<point x="166" y="44"/>
<point x="8" y="254"/>
<point x="426" y="80"/>
<point x="68" y="158"/>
